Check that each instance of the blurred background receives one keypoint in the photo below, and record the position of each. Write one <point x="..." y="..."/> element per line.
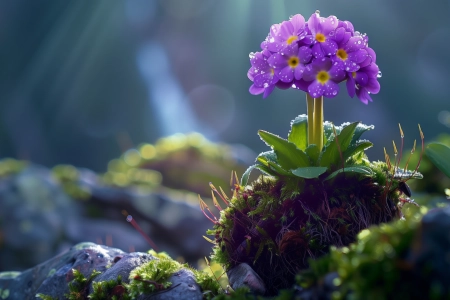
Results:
<point x="82" y="82"/>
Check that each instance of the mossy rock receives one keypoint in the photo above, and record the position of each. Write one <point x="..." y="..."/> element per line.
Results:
<point x="306" y="201"/>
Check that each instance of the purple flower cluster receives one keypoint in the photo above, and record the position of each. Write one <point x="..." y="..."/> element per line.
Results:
<point x="315" y="56"/>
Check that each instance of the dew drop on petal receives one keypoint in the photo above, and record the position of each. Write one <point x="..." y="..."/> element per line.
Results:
<point x="318" y="12"/>
<point x="294" y="86"/>
<point x="266" y="85"/>
<point x="334" y="93"/>
<point x="251" y="54"/>
<point x="379" y="74"/>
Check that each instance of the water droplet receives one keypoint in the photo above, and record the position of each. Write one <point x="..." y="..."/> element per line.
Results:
<point x="314" y="94"/>
<point x="346" y="69"/>
<point x="318" y="12"/>
<point x="331" y="32"/>
<point x="379" y="74"/>
<point x="334" y="93"/>
<point x="251" y="55"/>
<point x="266" y="85"/>
<point x="294" y="86"/>
<point x="359" y="42"/>
<point x="272" y="40"/>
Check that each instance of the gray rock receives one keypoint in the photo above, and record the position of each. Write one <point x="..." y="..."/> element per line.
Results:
<point x="243" y="275"/>
<point x="51" y="277"/>
<point x="183" y="287"/>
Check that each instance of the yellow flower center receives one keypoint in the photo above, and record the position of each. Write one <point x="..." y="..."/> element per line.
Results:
<point x="293" y="61"/>
<point x="323" y="77"/>
<point x="354" y="74"/>
<point x="291" y="39"/>
<point x="320" y="38"/>
<point x="342" y="54"/>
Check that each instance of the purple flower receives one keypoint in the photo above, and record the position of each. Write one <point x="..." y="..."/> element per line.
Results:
<point x="285" y="34"/>
<point x="290" y="62"/>
<point x="325" y="76"/>
<point x="351" y="53"/>
<point x="262" y="75"/>
<point x="364" y="82"/>
<point x="323" y="30"/>
<point x="315" y="56"/>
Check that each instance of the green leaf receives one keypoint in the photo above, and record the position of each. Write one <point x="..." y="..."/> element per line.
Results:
<point x="359" y="130"/>
<point x="266" y="158"/>
<point x="356" y="148"/>
<point x="309" y="172"/>
<point x="299" y="132"/>
<point x="246" y="175"/>
<point x="439" y="155"/>
<point x="330" y="155"/>
<point x="328" y="133"/>
<point x="313" y="152"/>
<point x="288" y="155"/>
<point x="355" y="169"/>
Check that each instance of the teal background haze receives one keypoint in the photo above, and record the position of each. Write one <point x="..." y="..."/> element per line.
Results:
<point x="81" y="81"/>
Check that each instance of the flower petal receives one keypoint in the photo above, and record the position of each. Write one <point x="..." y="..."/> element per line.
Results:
<point x="298" y="21"/>
<point x="354" y="43"/>
<point x="317" y="51"/>
<point x="298" y="71"/>
<point x="328" y="24"/>
<point x="263" y="80"/>
<point x="289" y="51"/>
<point x="309" y="74"/>
<point x="286" y="74"/>
<point x="277" y="61"/>
<point x="314" y="23"/>
<point x="254" y="90"/>
<point x="373" y="86"/>
<point x="268" y="91"/>
<point x="286" y="30"/>
<point x="358" y="56"/>
<point x="283" y="85"/>
<point x="301" y="85"/>
<point x="350" y="83"/>
<point x="316" y="89"/>
<point x="361" y="78"/>
<point x="305" y="54"/>
<point x="329" y="47"/>
<point x="321" y="64"/>
<point x="337" y="72"/>
<point x="331" y="89"/>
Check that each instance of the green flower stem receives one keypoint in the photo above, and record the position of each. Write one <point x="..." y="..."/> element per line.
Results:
<point x="310" y="109"/>
<point x="318" y="122"/>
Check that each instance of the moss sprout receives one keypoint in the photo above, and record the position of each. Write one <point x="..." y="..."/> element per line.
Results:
<point x="79" y="286"/>
<point x="113" y="289"/>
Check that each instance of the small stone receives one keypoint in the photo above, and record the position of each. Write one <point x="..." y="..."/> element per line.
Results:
<point x="243" y="275"/>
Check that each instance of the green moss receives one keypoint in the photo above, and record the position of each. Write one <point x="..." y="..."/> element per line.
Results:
<point x="79" y="286"/>
<point x="45" y="297"/>
<point x="113" y="289"/>
<point x="4" y="294"/>
<point x="68" y="177"/>
<point x="51" y="273"/>
<point x="372" y="268"/>
<point x="209" y="285"/>
<point x="9" y="166"/>
<point x="152" y="276"/>
<point x="9" y="274"/>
